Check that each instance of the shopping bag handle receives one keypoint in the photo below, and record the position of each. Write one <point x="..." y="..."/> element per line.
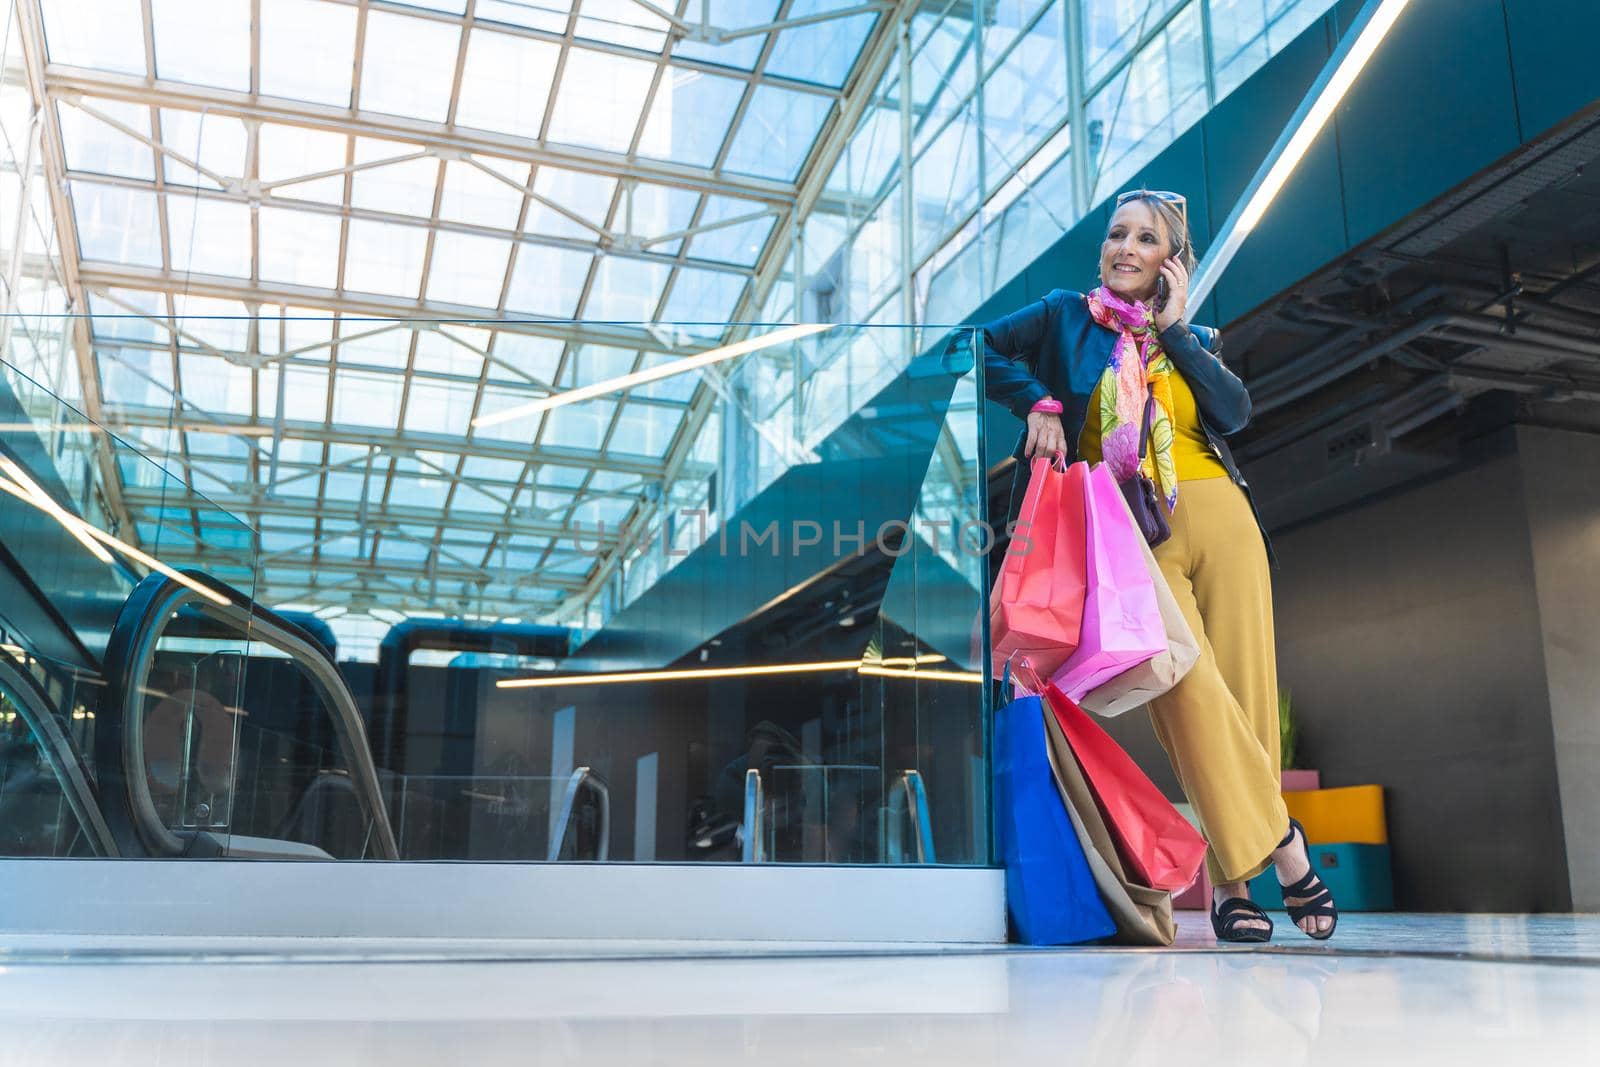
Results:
<point x="1026" y="676"/>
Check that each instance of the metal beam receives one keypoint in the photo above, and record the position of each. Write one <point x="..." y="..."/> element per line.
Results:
<point x="97" y="274"/>
<point x="387" y="443"/>
<point x="406" y="571"/>
<point x="613" y="246"/>
<point x="30" y="27"/>
<point x="248" y="506"/>
<point x="63" y="81"/>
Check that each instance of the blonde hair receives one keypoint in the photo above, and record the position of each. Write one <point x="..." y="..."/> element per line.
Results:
<point x="1179" y="240"/>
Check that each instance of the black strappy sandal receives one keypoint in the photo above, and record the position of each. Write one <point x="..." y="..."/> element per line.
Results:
<point x="1311" y="889"/>
<point x="1227" y="921"/>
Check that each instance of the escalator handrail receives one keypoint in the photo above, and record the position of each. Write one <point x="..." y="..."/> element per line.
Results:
<point x="120" y="740"/>
<point x="753" y="849"/>
<point x="917" y="809"/>
<point x="62" y="755"/>
<point x="582" y="778"/>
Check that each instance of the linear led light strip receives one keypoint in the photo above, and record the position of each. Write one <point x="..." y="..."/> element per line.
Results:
<point x="688" y="674"/>
<point x="26" y="490"/>
<point x="1318" y="106"/>
<point x="652" y="374"/>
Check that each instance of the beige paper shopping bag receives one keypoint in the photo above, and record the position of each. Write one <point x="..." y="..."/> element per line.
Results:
<point x="1154" y="677"/>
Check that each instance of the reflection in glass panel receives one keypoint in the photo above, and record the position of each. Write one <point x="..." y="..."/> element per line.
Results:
<point x="365" y="399"/>
<point x="547" y="281"/>
<point x="206" y="42"/>
<point x="290" y="152"/>
<point x="408" y="66"/>
<point x="94" y="145"/>
<point x="117" y="225"/>
<point x="823" y="52"/>
<point x="690" y="116"/>
<point x="384" y="257"/>
<point x="600" y="100"/>
<point x="704" y="296"/>
<point x="218" y="143"/>
<point x="505" y="83"/>
<point x="298" y="247"/>
<point x="943" y="73"/>
<point x="467" y="269"/>
<point x="946" y="180"/>
<point x="625" y="290"/>
<point x="470" y="195"/>
<point x="777" y="132"/>
<point x="208" y="236"/>
<point x="1111" y="29"/>
<point x="622" y="22"/>
<point x="741" y="52"/>
<point x="740" y="243"/>
<point x="95" y="33"/>
<point x="404" y="187"/>
<point x="550" y="15"/>
<point x="1025" y="97"/>
<point x="308" y="51"/>
<point x="1148" y="103"/>
<point x="36" y="819"/>
<point x="1246" y="33"/>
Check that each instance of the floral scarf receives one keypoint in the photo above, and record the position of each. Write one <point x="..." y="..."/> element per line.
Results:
<point x="1136" y="363"/>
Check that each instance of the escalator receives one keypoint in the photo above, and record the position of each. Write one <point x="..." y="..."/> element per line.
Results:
<point x="217" y="728"/>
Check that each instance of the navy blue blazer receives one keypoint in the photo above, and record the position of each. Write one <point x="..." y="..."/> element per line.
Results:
<point x="1054" y="348"/>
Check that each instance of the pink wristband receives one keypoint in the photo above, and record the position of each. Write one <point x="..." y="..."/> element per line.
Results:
<point x="1048" y="405"/>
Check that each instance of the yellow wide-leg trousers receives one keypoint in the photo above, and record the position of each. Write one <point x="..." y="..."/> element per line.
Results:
<point x="1220" y="724"/>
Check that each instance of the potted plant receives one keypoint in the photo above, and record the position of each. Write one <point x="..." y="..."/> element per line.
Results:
<point x="1292" y="779"/>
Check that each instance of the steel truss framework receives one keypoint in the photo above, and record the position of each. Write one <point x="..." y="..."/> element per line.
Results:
<point x="303" y="289"/>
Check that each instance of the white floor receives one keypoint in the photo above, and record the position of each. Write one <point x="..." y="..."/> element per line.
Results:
<point x="1389" y="989"/>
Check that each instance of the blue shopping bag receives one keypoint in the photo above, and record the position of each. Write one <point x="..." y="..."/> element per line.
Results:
<point x="1049" y="891"/>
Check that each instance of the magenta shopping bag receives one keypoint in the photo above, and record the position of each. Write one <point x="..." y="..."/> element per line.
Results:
<point x="1122" y="625"/>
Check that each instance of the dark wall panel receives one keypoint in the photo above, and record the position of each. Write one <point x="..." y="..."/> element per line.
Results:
<point x="1409" y="635"/>
<point x="1553" y="59"/>
<point x="1561" y="481"/>
<point x="1433" y="107"/>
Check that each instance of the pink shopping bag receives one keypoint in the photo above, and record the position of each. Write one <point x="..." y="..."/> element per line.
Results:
<point x="1122" y="625"/>
<point x="1036" y="605"/>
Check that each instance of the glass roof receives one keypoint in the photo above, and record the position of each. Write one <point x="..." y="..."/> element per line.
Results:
<point x="275" y="217"/>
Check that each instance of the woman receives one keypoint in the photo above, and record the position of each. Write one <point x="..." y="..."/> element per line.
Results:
<point x="1081" y="371"/>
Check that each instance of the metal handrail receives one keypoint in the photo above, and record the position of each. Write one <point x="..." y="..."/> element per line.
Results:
<point x="581" y="778"/>
<point x="129" y="655"/>
<point x="917" y="807"/>
<point x="61" y="754"/>
<point x="754" y="828"/>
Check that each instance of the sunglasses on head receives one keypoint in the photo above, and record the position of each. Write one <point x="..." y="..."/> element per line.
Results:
<point x="1158" y="194"/>
<point x="1176" y="199"/>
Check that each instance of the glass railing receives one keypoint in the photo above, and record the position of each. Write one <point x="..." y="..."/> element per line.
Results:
<point x="670" y="561"/>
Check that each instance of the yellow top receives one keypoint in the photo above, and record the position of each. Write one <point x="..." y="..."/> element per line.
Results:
<point x="1191" y="452"/>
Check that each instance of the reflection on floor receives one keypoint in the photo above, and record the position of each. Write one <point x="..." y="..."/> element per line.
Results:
<point x="1389" y="989"/>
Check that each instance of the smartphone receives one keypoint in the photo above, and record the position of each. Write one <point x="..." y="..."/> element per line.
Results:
<point x="1161" y="293"/>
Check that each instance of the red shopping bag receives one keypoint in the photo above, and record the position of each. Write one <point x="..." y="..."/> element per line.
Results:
<point x="1036" y="605"/>
<point x="1156" y="843"/>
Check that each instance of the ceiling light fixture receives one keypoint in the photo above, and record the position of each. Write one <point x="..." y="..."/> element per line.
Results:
<point x="652" y="374"/>
<point x="691" y="674"/>
<point x="621" y="677"/>
<point x="932" y="676"/>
